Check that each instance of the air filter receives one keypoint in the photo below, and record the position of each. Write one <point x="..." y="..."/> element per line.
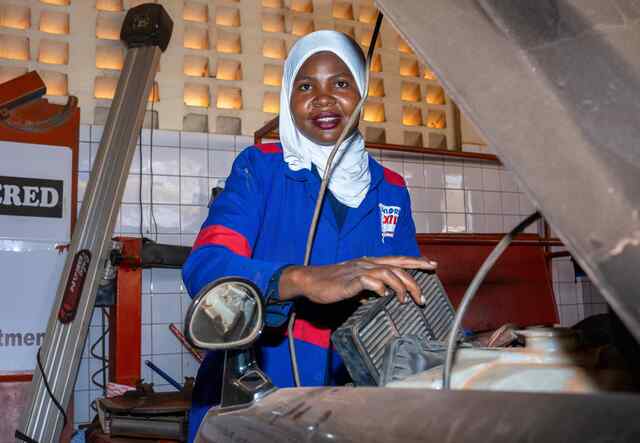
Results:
<point x="363" y="338"/>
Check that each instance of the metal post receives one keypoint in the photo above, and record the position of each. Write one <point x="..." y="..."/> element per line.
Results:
<point x="146" y="29"/>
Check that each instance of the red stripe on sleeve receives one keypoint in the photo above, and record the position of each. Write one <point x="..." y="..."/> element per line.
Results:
<point x="394" y="178"/>
<point x="307" y="332"/>
<point x="269" y="148"/>
<point x="222" y="236"/>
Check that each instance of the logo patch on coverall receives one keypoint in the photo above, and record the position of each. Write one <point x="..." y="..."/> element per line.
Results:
<point x="388" y="219"/>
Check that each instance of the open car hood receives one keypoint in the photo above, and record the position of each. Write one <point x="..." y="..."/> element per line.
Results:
<point x="554" y="86"/>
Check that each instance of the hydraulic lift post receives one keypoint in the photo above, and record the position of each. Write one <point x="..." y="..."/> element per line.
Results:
<point x="146" y="31"/>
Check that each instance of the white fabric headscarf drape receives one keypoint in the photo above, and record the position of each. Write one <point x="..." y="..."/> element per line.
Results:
<point x="350" y="178"/>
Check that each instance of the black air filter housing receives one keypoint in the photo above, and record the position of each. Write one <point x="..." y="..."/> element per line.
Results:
<point x="363" y="338"/>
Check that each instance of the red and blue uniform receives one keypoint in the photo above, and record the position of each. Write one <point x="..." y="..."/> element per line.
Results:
<point x="259" y="225"/>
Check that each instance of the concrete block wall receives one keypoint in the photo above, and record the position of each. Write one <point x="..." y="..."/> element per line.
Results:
<point x="220" y="71"/>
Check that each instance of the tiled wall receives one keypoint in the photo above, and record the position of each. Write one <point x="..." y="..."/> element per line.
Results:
<point x="576" y="296"/>
<point x="447" y="196"/>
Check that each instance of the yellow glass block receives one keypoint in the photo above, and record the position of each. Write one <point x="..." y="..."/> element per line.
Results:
<point x="411" y="116"/>
<point x="13" y="47"/>
<point x="56" y="2"/>
<point x="195" y="12"/>
<point x="228" y="43"/>
<point x="109" y="57"/>
<point x="365" y="39"/>
<point x="15" y="17"/>
<point x="109" y="5"/>
<point x="272" y="75"/>
<point x="376" y="63"/>
<point x="274" y="48"/>
<point x="196" y="95"/>
<point x="134" y="3"/>
<point x="436" y="119"/>
<point x="373" y="112"/>
<point x="367" y="14"/>
<point x="342" y="10"/>
<point x="53" y="52"/>
<point x="271" y="102"/>
<point x="272" y="23"/>
<point x="376" y="87"/>
<point x="409" y="68"/>
<point x="196" y="38"/>
<point x="410" y="92"/>
<point x="53" y="22"/>
<point x="429" y="74"/>
<point x="302" y="6"/>
<point x="412" y="138"/>
<point x="154" y="94"/>
<point x="229" y="70"/>
<point x="435" y="95"/>
<point x="229" y="98"/>
<point x="10" y="72"/>
<point x="196" y="66"/>
<point x="228" y="17"/>
<point x="108" y="26"/>
<point x="105" y="87"/>
<point x="302" y="26"/>
<point x="56" y="83"/>
<point x="403" y="46"/>
<point x="273" y="3"/>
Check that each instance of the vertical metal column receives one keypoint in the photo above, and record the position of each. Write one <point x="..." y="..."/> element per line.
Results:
<point x="91" y="243"/>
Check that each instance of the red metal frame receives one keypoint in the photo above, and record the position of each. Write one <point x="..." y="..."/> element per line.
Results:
<point x="518" y="289"/>
<point x="125" y="344"/>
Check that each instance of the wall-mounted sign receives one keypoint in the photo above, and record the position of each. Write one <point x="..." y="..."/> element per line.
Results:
<point x="31" y="197"/>
<point x="35" y="216"/>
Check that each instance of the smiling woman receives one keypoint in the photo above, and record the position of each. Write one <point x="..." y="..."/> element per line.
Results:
<point x="256" y="228"/>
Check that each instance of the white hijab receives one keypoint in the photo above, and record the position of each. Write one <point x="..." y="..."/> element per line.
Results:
<point x="350" y="178"/>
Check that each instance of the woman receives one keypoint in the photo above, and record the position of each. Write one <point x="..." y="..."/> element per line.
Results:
<point x="258" y="226"/>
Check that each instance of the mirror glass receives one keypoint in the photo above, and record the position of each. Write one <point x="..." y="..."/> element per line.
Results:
<point x="225" y="314"/>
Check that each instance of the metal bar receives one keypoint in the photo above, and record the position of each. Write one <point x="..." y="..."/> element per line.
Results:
<point x="482" y="240"/>
<point x="64" y="341"/>
<point x="126" y="319"/>
<point x="552" y="255"/>
<point x="271" y="125"/>
<point x="268" y="131"/>
<point x="434" y="152"/>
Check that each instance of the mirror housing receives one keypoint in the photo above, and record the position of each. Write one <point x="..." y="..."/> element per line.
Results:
<point x="225" y="314"/>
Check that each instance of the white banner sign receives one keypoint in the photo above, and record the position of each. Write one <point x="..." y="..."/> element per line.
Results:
<point x="35" y="217"/>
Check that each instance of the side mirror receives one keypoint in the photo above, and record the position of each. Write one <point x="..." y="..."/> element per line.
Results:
<point x="226" y="314"/>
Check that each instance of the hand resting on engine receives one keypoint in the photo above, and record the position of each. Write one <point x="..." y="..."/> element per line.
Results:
<point x="333" y="283"/>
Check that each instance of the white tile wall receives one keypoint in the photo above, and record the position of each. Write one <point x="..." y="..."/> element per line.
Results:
<point x="447" y="196"/>
<point x="576" y="298"/>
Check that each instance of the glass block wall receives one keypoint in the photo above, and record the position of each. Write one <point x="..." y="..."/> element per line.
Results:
<point x="222" y="70"/>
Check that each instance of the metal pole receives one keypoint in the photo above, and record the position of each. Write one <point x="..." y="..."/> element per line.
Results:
<point x="91" y="243"/>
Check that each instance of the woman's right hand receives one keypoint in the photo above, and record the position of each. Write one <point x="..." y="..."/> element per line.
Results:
<point x="333" y="283"/>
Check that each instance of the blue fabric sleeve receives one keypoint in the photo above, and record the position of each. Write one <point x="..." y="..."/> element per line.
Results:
<point x="239" y="208"/>
<point x="277" y="312"/>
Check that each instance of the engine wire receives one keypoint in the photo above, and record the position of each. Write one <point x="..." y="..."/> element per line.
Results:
<point x="351" y="123"/>
<point x="473" y="289"/>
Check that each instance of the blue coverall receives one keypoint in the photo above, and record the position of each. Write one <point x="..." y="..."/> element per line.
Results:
<point x="258" y="225"/>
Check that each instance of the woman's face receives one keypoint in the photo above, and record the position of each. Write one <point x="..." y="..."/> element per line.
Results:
<point x="323" y="98"/>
